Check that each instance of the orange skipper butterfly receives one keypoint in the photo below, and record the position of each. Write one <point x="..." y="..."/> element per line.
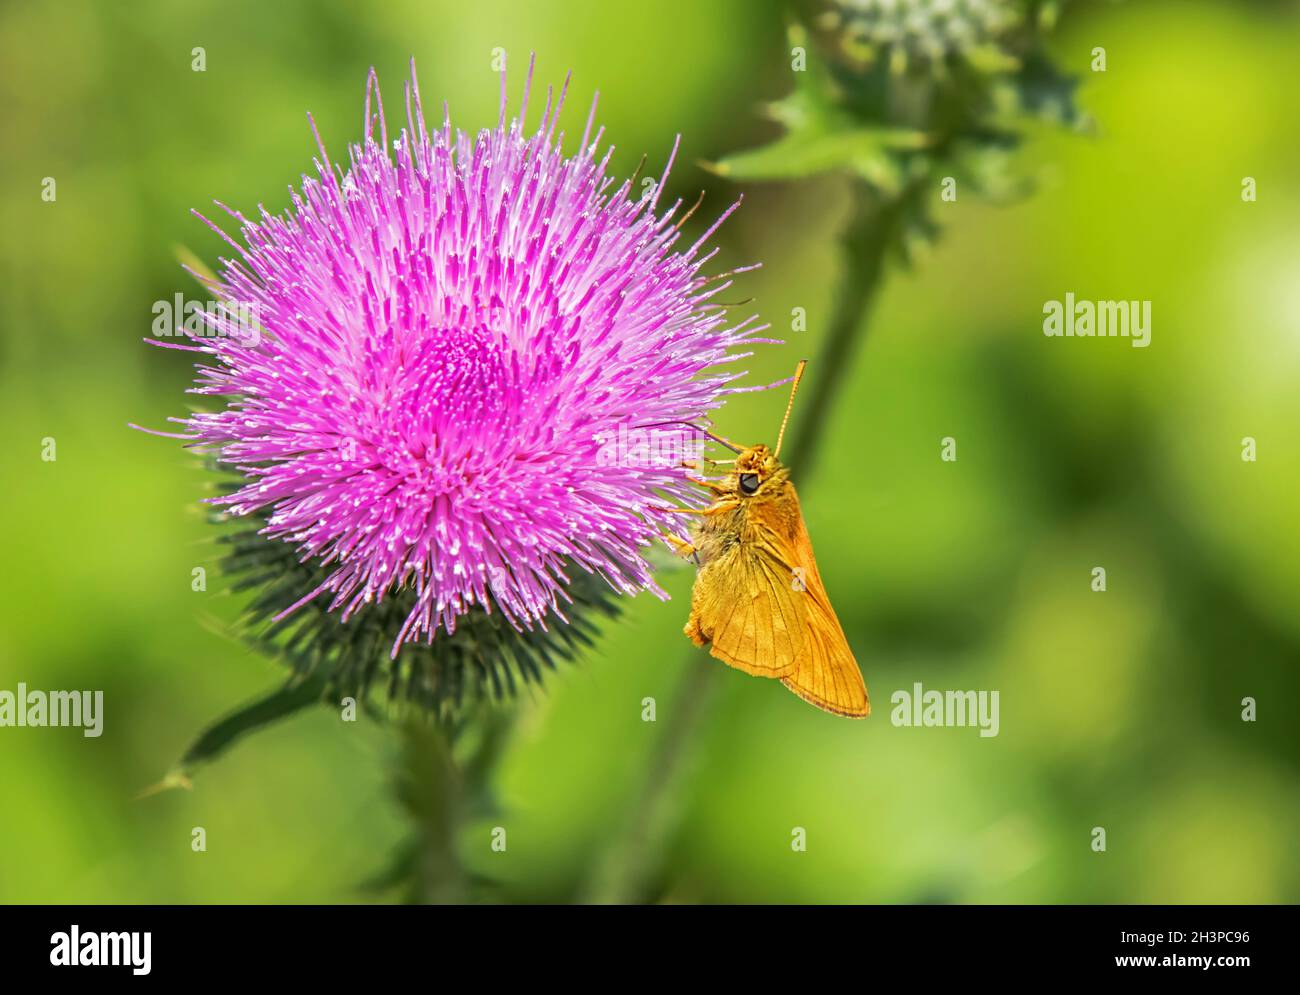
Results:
<point x="758" y="601"/>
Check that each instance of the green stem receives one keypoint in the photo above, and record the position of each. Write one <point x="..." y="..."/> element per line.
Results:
<point x="440" y="795"/>
<point x="623" y="875"/>
<point x="431" y="789"/>
<point x="628" y="873"/>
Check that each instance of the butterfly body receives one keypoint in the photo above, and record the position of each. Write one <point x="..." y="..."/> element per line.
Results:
<point x="758" y="602"/>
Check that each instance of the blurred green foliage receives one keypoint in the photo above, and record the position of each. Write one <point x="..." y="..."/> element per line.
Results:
<point x="1119" y="709"/>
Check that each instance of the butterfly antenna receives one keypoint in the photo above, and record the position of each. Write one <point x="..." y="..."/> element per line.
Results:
<point x="701" y="429"/>
<point x="716" y="438"/>
<point x="794" y="389"/>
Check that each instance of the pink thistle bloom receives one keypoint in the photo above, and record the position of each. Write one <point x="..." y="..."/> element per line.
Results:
<point x="450" y="334"/>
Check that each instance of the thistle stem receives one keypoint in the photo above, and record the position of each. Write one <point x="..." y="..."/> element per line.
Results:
<point x="627" y="875"/>
<point x="443" y="781"/>
<point x="623" y="876"/>
<point x="431" y="789"/>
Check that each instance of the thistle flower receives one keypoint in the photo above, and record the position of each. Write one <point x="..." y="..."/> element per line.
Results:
<point x="449" y="333"/>
<point x="918" y="34"/>
<point x="904" y="95"/>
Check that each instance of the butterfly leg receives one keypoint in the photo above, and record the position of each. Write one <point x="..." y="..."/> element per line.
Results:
<point x="694" y="632"/>
<point x="682" y="548"/>
<point x="708" y="484"/>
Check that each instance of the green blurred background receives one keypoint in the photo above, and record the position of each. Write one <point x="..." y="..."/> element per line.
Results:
<point x="1119" y="709"/>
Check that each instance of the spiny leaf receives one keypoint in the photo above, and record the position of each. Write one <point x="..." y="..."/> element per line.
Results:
<point x="293" y="697"/>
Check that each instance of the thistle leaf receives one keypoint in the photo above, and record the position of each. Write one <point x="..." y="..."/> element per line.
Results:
<point x="817" y="148"/>
<point x="292" y="697"/>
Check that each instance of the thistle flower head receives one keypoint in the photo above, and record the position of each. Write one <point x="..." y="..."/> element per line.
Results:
<point x="904" y="95"/>
<point x="451" y="331"/>
<point x="918" y="34"/>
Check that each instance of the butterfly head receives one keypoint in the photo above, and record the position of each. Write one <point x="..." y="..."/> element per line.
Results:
<point x="756" y="468"/>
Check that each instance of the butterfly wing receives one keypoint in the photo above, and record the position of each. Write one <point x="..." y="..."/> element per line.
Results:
<point x="760" y="605"/>
<point x="826" y="673"/>
<point x="744" y="607"/>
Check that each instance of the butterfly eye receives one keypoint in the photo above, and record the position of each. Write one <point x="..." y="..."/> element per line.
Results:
<point x="748" y="483"/>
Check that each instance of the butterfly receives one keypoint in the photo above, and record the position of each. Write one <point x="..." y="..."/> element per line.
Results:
<point x="758" y="602"/>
